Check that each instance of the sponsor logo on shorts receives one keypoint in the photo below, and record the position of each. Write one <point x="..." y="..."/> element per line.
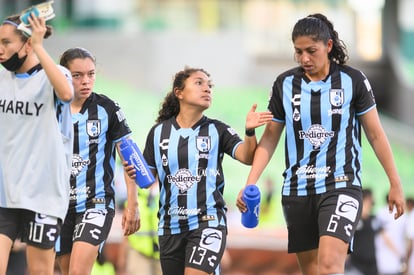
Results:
<point x="347" y="207"/>
<point x="45" y="219"/>
<point x="211" y="239"/>
<point x="95" y="216"/>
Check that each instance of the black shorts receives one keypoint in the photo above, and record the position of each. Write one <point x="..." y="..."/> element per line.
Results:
<point x="335" y="213"/>
<point x="35" y="229"/>
<point x="91" y="226"/>
<point x="200" y="249"/>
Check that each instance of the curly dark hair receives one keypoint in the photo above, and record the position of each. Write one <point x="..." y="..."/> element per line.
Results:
<point x="170" y="107"/>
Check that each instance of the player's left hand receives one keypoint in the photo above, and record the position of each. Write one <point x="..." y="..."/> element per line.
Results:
<point x="255" y="119"/>
<point x="396" y="200"/>
<point x="131" y="221"/>
<point x="38" y="27"/>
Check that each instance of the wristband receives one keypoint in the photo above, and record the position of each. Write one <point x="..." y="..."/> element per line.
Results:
<point x="250" y="132"/>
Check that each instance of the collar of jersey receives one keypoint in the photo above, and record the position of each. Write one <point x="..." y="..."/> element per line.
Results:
<point x="30" y="72"/>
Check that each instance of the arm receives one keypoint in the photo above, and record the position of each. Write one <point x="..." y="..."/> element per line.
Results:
<point x="262" y="156"/>
<point x="245" y="151"/>
<point x="130" y="219"/>
<point x="60" y="83"/>
<point x="382" y="148"/>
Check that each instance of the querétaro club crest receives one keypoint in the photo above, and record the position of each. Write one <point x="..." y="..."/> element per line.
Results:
<point x="93" y="127"/>
<point x="203" y="144"/>
<point x="336" y="97"/>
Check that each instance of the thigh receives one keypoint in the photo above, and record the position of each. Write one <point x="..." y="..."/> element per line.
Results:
<point x="308" y="261"/>
<point x="40" y="230"/>
<point x="82" y="257"/>
<point x="172" y="253"/>
<point x="332" y="255"/>
<point x="5" y="247"/>
<point x="205" y="248"/>
<point x="10" y="222"/>
<point x="339" y="213"/>
<point x="9" y="228"/>
<point x="93" y="226"/>
<point x="301" y="221"/>
<point x="64" y="242"/>
<point x="40" y="260"/>
<point x="90" y="232"/>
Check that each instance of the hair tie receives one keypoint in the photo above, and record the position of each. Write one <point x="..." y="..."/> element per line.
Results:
<point x="11" y="23"/>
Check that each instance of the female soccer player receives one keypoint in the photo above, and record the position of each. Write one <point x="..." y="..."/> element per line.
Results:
<point x="185" y="149"/>
<point x="35" y="144"/>
<point x="323" y="103"/>
<point x="99" y="126"/>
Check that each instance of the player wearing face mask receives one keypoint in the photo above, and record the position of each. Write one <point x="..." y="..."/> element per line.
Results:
<point x="35" y="144"/>
<point x="15" y="62"/>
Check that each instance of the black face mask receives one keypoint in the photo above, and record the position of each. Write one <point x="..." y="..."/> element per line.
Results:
<point x="14" y="62"/>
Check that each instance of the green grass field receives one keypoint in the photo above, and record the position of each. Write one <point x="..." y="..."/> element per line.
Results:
<point x="231" y="106"/>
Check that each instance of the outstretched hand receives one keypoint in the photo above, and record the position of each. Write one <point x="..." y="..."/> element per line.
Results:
<point x="255" y="119"/>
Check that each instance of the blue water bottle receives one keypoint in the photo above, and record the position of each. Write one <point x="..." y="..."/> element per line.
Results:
<point x="251" y="196"/>
<point x="131" y="153"/>
<point x="27" y="13"/>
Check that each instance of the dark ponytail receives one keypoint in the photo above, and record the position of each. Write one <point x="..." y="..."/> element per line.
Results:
<point x="74" y="53"/>
<point x="320" y="28"/>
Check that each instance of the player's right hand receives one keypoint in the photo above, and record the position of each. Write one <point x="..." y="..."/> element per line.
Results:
<point x="240" y="203"/>
<point x="129" y="169"/>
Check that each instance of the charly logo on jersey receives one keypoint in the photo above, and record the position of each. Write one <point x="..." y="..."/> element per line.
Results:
<point x="316" y="135"/>
<point x="164" y="144"/>
<point x="183" y="179"/>
<point x="78" y="163"/>
<point x="93" y="127"/>
<point x="336" y="97"/>
<point x="296" y="102"/>
<point x="203" y="143"/>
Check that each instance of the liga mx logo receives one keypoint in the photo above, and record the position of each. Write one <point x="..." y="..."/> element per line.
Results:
<point x="336" y="97"/>
<point x="203" y="144"/>
<point x="93" y="127"/>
